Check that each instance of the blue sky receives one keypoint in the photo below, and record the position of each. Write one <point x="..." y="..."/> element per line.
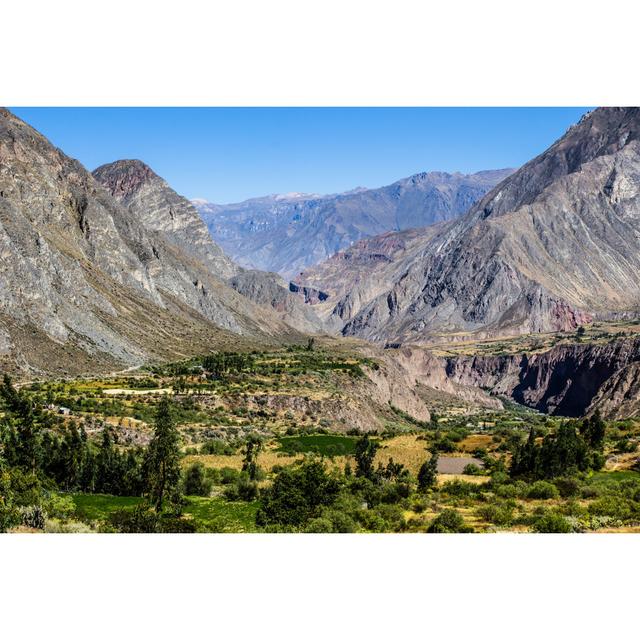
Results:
<point x="230" y="154"/>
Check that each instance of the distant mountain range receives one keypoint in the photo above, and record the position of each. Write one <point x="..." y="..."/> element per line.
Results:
<point x="288" y="233"/>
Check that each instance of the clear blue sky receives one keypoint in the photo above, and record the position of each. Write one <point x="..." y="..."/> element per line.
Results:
<point x="230" y="154"/>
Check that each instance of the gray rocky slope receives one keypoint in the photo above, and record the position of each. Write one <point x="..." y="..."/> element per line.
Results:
<point x="288" y="233"/>
<point x="160" y="209"/>
<point x="552" y="246"/>
<point x="84" y="281"/>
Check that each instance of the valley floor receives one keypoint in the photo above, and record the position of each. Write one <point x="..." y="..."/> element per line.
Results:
<point x="288" y="407"/>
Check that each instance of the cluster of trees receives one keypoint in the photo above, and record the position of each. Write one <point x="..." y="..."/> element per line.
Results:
<point x="220" y="365"/>
<point x="35" y="459"/>
<point x="575" y="446"/>
<point x="309" y="497"/>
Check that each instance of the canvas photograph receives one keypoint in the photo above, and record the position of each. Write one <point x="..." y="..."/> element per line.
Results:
<point x="320" y="320"/>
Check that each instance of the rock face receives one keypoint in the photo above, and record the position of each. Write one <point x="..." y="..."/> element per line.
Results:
<point x="553" y="246"/>
<point x="85" y="284"/>
<point x="567" y="380"/>
<point x="161" y="210"/>
<point x="346" y="282"/>
<point x="288" y="233"/>
<point x="270" y="290"/>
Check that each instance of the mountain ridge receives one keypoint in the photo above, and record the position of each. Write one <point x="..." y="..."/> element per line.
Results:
<point x="287" y="236"/>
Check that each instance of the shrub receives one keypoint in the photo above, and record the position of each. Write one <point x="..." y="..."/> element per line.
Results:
<point x="229" y="475"/>
<point x="507" y="491"/>
<point x="499" y="514"/>
<point x="612" y="507"/>
<point x="33" y="516"/>
<point x="460" y="488"/>
<point x="140" y="519"/>
<point x="341" y="522"/>
<point x="195" y="481"/>
<point x="552" y="523"/>
<point x="319" y="525"/>
<point x="449" y="521"/>
<point x="472" y="470"/>
<point x="568" y="487"/>
<point x="542" y="490"/>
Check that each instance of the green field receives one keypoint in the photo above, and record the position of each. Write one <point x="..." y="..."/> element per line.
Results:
<point x="214" y="515"/>
<point x="326" y="445"/>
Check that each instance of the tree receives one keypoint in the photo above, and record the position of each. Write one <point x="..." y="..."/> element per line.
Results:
<point x="428" y="473"/>
<point x="593" y="430"/>
<point x="253" y="447"/>
<point x="195" y="481"/>
<point x="297" y="495"/>
<point x="365" y="453"/>
<point x="162" y="462"/>
<point x="23" y="428"/>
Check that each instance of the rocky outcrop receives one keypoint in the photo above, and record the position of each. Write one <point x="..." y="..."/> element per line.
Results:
<point x="270" y="290"/>
<point x="289" y="233"/>
<point x="566" y="380"/>
<point x="161" y="210"/>
<point x="553" y="246"/>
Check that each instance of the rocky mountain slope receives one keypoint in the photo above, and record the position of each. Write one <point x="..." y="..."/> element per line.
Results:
<point x="288" y="233"/>
<point x="551" y="247"/>
<point x="347" y="281"/>
<point x="87" y="285"/>
<point x="166" y="213"/>
<point x="161" y="210"/>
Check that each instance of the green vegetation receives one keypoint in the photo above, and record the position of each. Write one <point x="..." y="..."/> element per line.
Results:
<point x="239" y="442"/>
<point x="324" y="445"/>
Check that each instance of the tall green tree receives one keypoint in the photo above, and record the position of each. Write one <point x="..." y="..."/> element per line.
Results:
<point x="252" y="448"/>
<point x="365" y="453"/>
<point x="23" y="428"/>
<point x="428" y="473"/>
<point x="162" y="463"/>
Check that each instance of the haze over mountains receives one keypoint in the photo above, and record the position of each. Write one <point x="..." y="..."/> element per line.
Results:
<point x="287" y="233"/>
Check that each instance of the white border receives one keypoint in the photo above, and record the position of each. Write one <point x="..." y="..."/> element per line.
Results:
<point x="334" y="52"/>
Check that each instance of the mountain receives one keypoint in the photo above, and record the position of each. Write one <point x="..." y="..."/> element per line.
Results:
<point x="161" y="210"/>
<point x="553" y="246"/>
<point x="88" y="283"/>
<point x="288" y="233"/>
<point x="340" y="286"/>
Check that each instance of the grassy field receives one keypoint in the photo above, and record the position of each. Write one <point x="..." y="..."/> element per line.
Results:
<point x="325" y="445"/>
<point x="214" y="515"/>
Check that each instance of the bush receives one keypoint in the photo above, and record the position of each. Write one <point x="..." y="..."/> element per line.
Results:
<point x="229" y="475"/>
<point x="460" y="488"/>
<point x="472" y="470"/>
<point x="499" y="514"/>
<point x="542" y="490"/>
<point x="449" y="521"/>
<point x="33" y="516"/>
<point x="568" y="487"/>
<point x="319" y="525"/>
<point x="612" y="507"/>
<point x="140" y="519"/>
<point x="552" y="523"/>
<point x="195" y="481"/>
